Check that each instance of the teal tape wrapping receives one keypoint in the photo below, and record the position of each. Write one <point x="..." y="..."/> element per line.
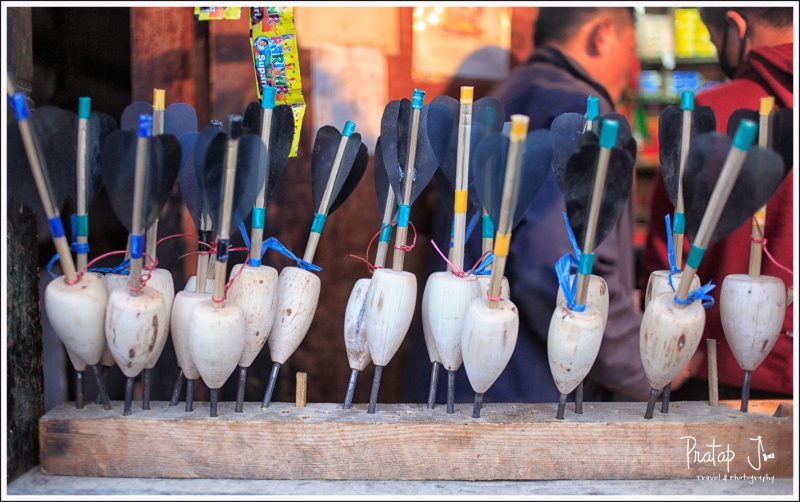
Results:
<point x="403" y="213"/>
<point x="745" y="135"/>
<point x="386" y="234"/>
<point x="679" y="225"/>
<point x="695" y="257"/>
<point x="319" y="223"/>
<point x="84" y="107"/>
<point x="258" y="217"/>
<point x="82" y="224"/>
<point x="608" y="133"/>
<point x="687" y="101"/>
<point x="487" y="227"/>
<point x="586" y="263"/>
<point x="592" y="108"/>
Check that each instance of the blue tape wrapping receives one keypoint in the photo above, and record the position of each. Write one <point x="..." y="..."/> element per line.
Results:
<point x="585" y="263"/>
<point x="673" y="269"/>
<point x="80" y="247"/>
<point x="680" y="223"/>
<point x="319" y="223"/>
<point x="137" y="246"/>
<point x="403" y="212"/>
<point x="56" y="228"/>
<point x="17" y="102"/>
<point x="223" y="246"/>
<point x="473" y="222"/>
<point x="386" y="233"/>
<point x="275" y="244"/>
<point x="487" y="229"/>
<point x="564" y="267"/>
<point x="258" y="217"/>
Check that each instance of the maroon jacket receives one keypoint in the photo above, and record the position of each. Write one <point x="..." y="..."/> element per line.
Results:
<point x="766" y="71"/>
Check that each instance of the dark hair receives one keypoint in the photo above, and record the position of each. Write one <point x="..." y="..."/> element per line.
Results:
<point x="559" y="24"/>
<point x="776" y="17"/>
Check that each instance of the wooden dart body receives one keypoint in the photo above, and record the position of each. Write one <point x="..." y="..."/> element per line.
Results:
<point x="658" y="284"/>
<point x="597" y="295"/>
<point x="161" y="281"/>
<point x="489" y="336"/>
<point x="752" y="311"/>
<point x="390" y="310"/>
<point x="298" y="295"/>
<point x="255" y="292"/>
<point x="355" y="333"/>
<point x="191" y="284"/>
<point x="668" y="337"/>
<point x="77" y="315"/>
<point x="216" y="340"/>
<point x="182" y="307"/>
<point x="505" y="289"/>
<point x="133" y="324"/>
<point x="573" y="341"/>
<point x="444" y="304"/>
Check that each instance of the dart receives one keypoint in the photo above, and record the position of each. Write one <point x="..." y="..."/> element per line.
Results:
<point x="725" y="182"/>
<point x="504" y="164"/>
<point x="752" y="305"/>
<point x="136" y="316"/>
<point x="256" y="285"/>
<point x="337" y="165"/>
<point x="577" y="325"/>
<point x="410" y="161"/>
<point x="75" y="302"/>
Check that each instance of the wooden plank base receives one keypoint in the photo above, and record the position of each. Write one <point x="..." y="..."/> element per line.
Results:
<point x="408" y="442"/>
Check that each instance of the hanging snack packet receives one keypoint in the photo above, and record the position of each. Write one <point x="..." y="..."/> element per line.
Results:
<point x="276" y="62"/>
<point x="217" y="13"/>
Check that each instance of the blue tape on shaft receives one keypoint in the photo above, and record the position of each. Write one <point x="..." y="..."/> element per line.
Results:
<point x="349" y="128"/>
<point x="386" y="234"/>
<point x="592" y="108"/>
<point x="80" y="247"/>
<point x="403" y="212"/>
<point x="258" y="217"/>
<point x="137" y="246"/>
<point x="268" y="97"/>
<point x="585" y="263"/>
<point x="687" y="101"/>
<point x="673" y="269"/>
<point x="608" y="133"/>
<point x="56" y="228"/>
<point x="745" y="135"/>
<point x="679" y="225"/>
<point x="84" y="107"/>
<point x="20" y="107"/>
<point x="487" y="230"/>
<point x="695" y="257"/>
<point x="222" y="250"/>
<point x="319" y="223"/>
<point x="417" y="99"/>
<point x="145" y="126"/>
<point x="254" y="262"/>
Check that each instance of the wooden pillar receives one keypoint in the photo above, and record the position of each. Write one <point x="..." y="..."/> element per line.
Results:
<point x="23" y="331"/>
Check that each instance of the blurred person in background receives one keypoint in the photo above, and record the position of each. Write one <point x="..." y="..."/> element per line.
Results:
<point x="755" y="49"/>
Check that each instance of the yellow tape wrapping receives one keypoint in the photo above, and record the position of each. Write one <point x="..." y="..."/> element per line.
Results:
<point x="273" y="45"/>
<point x="501" y="244"/>
<point x="461" y="201"/>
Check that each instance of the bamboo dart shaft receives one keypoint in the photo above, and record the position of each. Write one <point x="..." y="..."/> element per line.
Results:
<point x="608" y="139"/>
<point x="223" y="235"/>
<point x="322" y="210"/>
<point x="719" y="197"/>
<point x="462" y="177"/>
<point x="687" y="105"/>
<point x="42" y="185"/>
<point x="158" y="128"/>
<point x="145" y="125"/>
<point x="760" y="218"/>
<point x="257" y="232"/>
<point x="408" y="182"/>
<point x="386" y="232"/>
<point x="516" y="147"/>
<point x="84" y="110"/>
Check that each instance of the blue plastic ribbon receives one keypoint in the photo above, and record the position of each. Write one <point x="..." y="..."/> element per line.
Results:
<point x="50" y="264"/>
<point x="122" y="268"/>
<point x="700" y="293"/>
<point x="484" y="267"/>
<point x="275" y="244"/>
<point x="564" y="267"/>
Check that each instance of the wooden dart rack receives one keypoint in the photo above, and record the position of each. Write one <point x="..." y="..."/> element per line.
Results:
<point x="408" y="442"/>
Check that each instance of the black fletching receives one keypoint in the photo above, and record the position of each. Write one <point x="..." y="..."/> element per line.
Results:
<point x="251" y="120"/>
<point x="781" y="130"/>
<point x="281" y="134"/>
<point x="56" y="132"/>
<point x="205" y="138"/>
<point x="760" y="176"/>
<point x="180" y="119"/>
<point x="326" y="144"/>
<point x="491" y="158"/>
<point x="249" y="178"/>
<point x="100" y="126"/>
<point x="670" y="124"/>
<point x="118" y="160"/>
<point x="567" y="130"/>
<point x="579" y="176"/>
<point x="356" y="173"/>
<point x="188" y="183"/>
<point x="130" y="115"/>
<point x="381" y="180"/>
<point x="395" y="128"/>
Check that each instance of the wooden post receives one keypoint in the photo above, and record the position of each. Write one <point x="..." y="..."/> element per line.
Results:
<point x="713" y="387"/>
<point x="302" y="388"/>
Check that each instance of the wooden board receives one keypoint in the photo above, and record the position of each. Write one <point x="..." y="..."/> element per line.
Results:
<point x="405" y="441"/>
